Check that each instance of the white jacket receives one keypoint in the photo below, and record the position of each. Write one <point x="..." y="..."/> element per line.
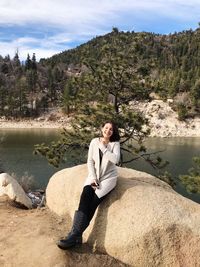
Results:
<point x="106" y="174"/>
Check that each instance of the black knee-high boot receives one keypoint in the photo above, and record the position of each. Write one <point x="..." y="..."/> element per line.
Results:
<point x="87" y="206"/>
<point x="80" y="223"/>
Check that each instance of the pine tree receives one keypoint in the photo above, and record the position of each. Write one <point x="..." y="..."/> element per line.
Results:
<point x="195" y="94"/>
<point x="21" y="96"/>
<point x="109" y="74"/>
<point x="34" y="72"/>
<point x="33" y="62"/>
<point x="17" y="66"/>
<point x="192" y="180"/>
<point x="3" y="97"/>
<point x="16" y="61"/>
<point x="28" y="63"/>
<point x="51" y="84"/>
<point x="68" y="99"/>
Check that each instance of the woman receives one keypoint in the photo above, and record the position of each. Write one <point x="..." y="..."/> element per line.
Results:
<point x="103" y="155"/>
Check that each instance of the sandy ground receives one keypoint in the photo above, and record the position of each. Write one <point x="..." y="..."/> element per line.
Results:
<point x="28" y="238"/>
<point x="32" y="124"/>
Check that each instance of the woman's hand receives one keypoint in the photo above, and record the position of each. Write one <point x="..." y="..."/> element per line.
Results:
<point x="94" y="184"/>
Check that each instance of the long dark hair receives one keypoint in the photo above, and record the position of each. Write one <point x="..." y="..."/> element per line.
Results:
<point x="115" y="136"/>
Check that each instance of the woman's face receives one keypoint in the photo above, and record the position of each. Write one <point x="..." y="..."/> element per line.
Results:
<point x="107" y="130"/>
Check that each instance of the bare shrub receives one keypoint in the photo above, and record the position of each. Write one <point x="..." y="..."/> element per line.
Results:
<point x="182" y="98"/>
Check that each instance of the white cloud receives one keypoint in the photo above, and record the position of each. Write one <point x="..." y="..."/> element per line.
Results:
<point x="69" y="21"/>
<point x="65" y="13"/>
<point x="43" y="49"/>
<point x="40" y="52"/>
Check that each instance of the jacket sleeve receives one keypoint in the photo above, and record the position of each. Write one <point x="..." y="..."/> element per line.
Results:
<point x="90" y="162"/>
<point x="113" y="156"/>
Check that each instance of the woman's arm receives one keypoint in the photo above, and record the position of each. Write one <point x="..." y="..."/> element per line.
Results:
<point x="113" y="156"/>
<point x="91" y="163"/>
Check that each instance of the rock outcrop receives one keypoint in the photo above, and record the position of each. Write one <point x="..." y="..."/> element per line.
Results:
<point x="164" y="122"/>
<point x="143" y="222"/>
<point x="11" y="188"/>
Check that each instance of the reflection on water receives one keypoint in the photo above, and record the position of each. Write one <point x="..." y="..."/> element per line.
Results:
<point x="16" y="153"/>
<point x="179" y="151"/>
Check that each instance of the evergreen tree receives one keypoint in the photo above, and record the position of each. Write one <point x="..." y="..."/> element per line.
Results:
<point x="33" y="62"/>
<point x="165" y="64"/>
<point x="16" y="60"/>
<point x="51" y="84"/>
<point x="3" y="97"/>
<point x="195" y="94"/>
<point x="17" y="69"/>
<point x="68" y="99"/>
<point x="21" y="96"/>
<point x="28" y="63"/>
<point x="192" y="180"/>
<point x="30" y="81"/>
<point x="109" y="74"/>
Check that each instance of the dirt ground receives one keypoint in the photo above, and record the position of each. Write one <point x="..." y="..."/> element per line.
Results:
<point x="28" y="238"/>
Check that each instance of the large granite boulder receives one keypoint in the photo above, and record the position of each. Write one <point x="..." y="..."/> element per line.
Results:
<point x="11" y="188"/>
<point x="143" y="222"/>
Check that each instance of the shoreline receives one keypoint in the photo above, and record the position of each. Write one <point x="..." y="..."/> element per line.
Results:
<point x="30" y="124"/>
<point x="59" y="125"/>
<point x="163" y="121"/>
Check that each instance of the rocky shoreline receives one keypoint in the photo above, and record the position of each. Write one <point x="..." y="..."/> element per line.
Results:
<point x="29" y="124"/>
<point x="49" y="121"/>
<point x="163" y="121"/>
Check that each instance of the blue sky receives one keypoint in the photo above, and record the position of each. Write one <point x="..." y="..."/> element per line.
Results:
<point x="48" y="27"/>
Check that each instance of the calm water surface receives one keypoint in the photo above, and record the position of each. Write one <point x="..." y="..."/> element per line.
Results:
<point x="16" y="153"/>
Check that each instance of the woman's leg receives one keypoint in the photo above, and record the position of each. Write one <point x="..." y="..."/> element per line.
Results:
<point x="80" y="221"/>
<point x="89" y="201"/>
<point x="88" y="204"/>
<point x="93" y="205"/>
<point x="86" y="199"/>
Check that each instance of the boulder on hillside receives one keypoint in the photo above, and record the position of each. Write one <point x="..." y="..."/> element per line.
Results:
<point x="11" y="188"/>
<point x="143" y="222"/>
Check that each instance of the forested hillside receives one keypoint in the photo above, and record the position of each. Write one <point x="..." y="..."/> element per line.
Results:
<point x="168" y="65"/>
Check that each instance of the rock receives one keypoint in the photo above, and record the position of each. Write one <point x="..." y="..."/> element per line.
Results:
<point x="157" y="111"/>
<point x="11" y="188"/>
<point x="143" y="222"/>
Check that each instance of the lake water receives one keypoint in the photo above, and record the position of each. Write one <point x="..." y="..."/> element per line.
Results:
<point x="16" y="154"/>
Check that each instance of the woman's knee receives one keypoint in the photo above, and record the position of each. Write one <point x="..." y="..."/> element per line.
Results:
<point x="88" y="191"/>
<point x="86" y="197"/>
